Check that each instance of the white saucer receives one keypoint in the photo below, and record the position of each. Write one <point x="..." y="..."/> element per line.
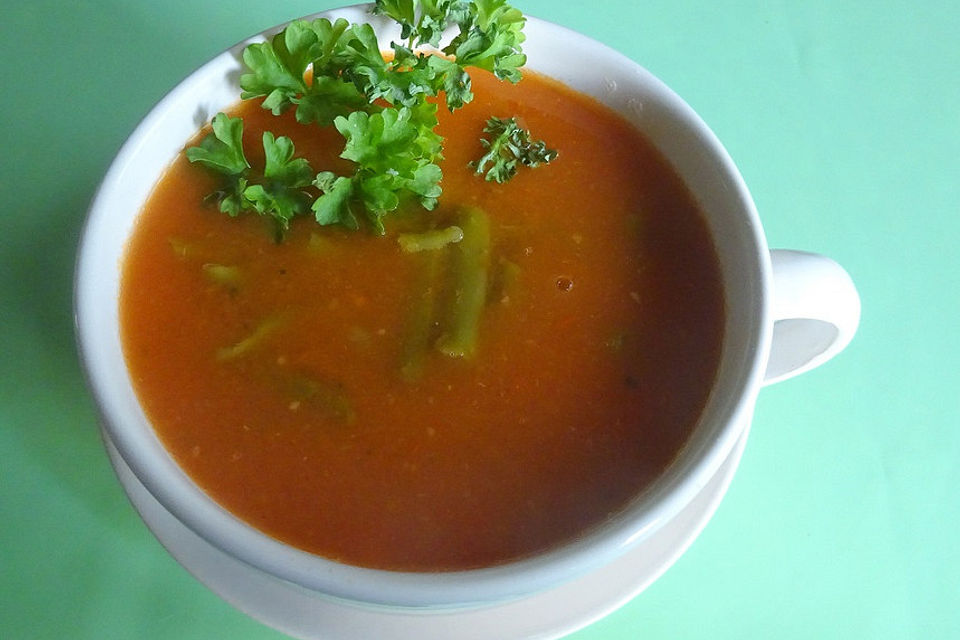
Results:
<point x="550" y="614"/>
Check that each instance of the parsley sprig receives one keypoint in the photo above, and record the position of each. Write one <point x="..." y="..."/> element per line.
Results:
<point x="509" y="148"/>
<point x="334" y="73"/>
<point x="393" y="154"/>
<point x="277" y="192"/>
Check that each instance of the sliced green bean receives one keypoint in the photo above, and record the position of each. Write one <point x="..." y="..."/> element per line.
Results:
<point x="252" y="341"/>
<point x="430" y="240"/>
<point x="320" y="245"/>
<point x="505" y="285"/>
<point x="183" y="249"/>
<point x="469" y="266"/>
<point x="225" y="275"/>
<point x="616" y="342"/>
<point x="329" y="397"/>
<point x="421" y="322"/>
<point x="359" y="336"/>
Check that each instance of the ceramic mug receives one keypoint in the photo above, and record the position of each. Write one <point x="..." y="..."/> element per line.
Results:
<point x="786" y="312"/>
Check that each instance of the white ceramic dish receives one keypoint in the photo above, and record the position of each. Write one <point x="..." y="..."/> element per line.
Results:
<point x="785" y="314"/>
<point x="550" y="614"/>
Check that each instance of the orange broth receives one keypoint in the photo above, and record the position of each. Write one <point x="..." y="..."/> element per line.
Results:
<point x="591" y="367"/>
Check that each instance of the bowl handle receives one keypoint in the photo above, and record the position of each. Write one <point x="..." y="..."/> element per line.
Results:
<point x="816" y="310"/>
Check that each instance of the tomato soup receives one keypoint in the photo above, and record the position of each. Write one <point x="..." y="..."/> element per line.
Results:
<point x="279" y="375"/>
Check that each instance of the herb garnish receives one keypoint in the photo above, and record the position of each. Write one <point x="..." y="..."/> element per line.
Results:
<point x="510" y="147"/>
<point x="334" y="73"/>
<point x="277" y="194"/>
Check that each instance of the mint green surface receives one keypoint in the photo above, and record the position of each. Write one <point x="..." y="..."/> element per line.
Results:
<point x="844" y="118"/>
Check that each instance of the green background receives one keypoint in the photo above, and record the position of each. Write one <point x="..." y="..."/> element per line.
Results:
<point x="844" y="117"/>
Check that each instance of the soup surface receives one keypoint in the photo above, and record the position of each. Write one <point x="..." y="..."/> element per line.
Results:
<point x="279" y="377"/>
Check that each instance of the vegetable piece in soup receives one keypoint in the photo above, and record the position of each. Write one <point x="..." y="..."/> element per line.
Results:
<point x="486" y="381"/>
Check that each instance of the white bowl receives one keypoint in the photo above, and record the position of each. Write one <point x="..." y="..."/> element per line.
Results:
<point x="579" y="62"/>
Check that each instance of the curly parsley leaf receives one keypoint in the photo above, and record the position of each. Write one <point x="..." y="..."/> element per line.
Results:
<point x="403" y="12"/>
<point x="277" y="193"/>
<point x="281" y="194"/>
<point x="333" y="206"/>
<point x="278" y="71"/>
<point x="453" y="79"/>
<point x="378" y="79"/>
<point x="379" y="142"/>
<point x="394" y="151"/>
<point x="509" y="148"/>
<point x="349" y="72"/>
<point x="223" y="150"/>
<point x="491" y="35"/>
<point x="422" y="22"/>
<point x="230" y="198"/>
<point x="334" y="73"/>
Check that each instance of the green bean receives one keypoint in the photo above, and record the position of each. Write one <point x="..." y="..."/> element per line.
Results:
<point x="421" y="322"/>
<point x="183" y="249"/>
<point x="222" y="274"/>
<point x="251" y="341"/>
<point x="430" y="240"/>
<point x="506" y="282"/>
<point x="320" y="245"/>
<point x="360" y="337"/>
<point x="329" y="397"/>
<point x="616" y="341"/>
<point x="469" y="266"/>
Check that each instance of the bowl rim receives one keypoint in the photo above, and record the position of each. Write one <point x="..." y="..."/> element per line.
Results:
<point x="161" y="476"/>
